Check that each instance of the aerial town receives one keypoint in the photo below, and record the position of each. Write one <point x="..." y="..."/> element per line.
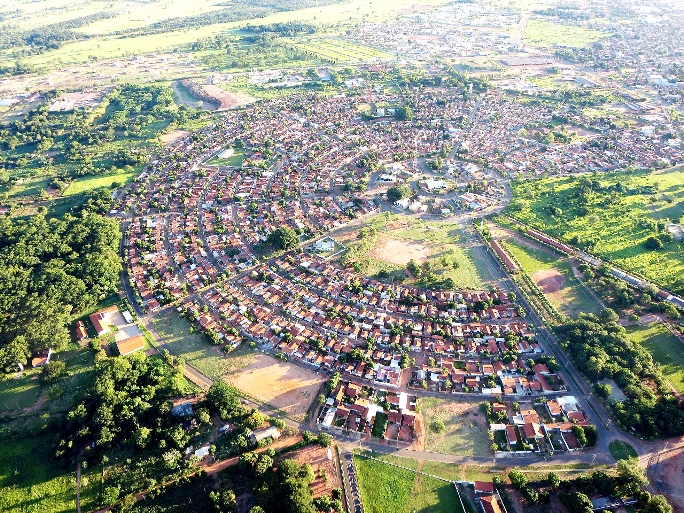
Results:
<point x="342" y="256"/>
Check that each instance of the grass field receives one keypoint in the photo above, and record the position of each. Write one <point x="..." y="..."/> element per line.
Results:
<point x="544" y="33"/>
<point x="30" y="482"/>
<point x="466" y="429"/>
<point x="20" y="392"/>
<point x="235" y="160"/>
<point x="435" y="241"/>
<point x="621" y="450"/>
<point x="196" y="349"/>
<point x="336" y="50"/>
<point x="614" y="225"/>
<point x="666" y="349"/>
<point x="81" y="185"/>
<point x="555" y="278"/>
<point x="387" y="489"/>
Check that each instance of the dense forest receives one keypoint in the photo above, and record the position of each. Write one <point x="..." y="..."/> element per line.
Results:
<point x="601" y="349"/>
<point x="50" y="269"/>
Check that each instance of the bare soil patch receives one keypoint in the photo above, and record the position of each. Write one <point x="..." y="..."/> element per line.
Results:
<point x="666" y="475"/>
<point x="400" y="251"/>
<point x="226" y="99"/>
<point x="326" y="471"/>
<point x="549" y="280"/>
<point x="173" y="136"/>
<point x="282" y="385"/>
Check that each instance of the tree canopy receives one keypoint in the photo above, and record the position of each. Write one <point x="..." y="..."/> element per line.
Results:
<point x="48" y="270"/>
<point x="284" y="238"/>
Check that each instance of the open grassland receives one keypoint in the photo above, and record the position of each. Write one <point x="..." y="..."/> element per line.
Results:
<point x="613" y="225"/>
<point x="105" y="45"/>
<point x="88" y="183"/>
<point x="545" y="33"/>
<point x="465" y="427"/>
<point x="555" y="278"/>
<point x="196" y="349"/>
<point x="337" y="50"/>
<point x="666" y="349"/>
<point x="388" y="489"/>
<point x="19" y="391"/>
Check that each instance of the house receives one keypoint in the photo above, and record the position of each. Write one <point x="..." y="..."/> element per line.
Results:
<point x="325" y="245"/>
<point x="183" y="409"/>
<point x="130" y="345"/>
<point x="489" y="504"/>
<point x="102" y="319"/>
<point x="262" y="434"/>
<point x="43" y="358"/>
<point x="202" y="452"/>
<point x="484" y="487"/>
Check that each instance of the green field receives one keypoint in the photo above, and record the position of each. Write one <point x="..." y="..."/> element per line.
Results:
<point x="196" y="349"/>
<point x="613" y="225"/>
<point x="336" y="50"/>
<point x="20" y="392"/>
<point x="30" y="482"/>
<point x="235" y="160"/>
<point x="666" y="349"/>
<point x="622" y="450"/>
<point x="81" y="185"/>
<point x="466" y="430"/>
<point x="572" y="297"/>
<point x="545" y="33"/>
<point x="388" y="489"/>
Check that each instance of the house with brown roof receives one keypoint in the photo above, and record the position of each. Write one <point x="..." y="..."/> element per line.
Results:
<point x="130" y="345"/>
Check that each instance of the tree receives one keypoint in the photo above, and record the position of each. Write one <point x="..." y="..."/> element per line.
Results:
<point x="403" y="113"/>
<point x="325" y="439"/>
<point x="284" y="238"/>
<point x="223" y="398"/>
<point x="576" y="502"/>
<point x="630" y="478"/>
<point x="608" y="315"/>
<point x="224" y="501"/>
<point x="553" y="480"/>
<point x="438" y="426"/>
<point x="397" y="192"/>
<point x="579" y="434"/>
<point x="413" y="267"/>
<point x="52" y="371"/>
<point x="653" y="243"/>
<point x="518" y="479"/>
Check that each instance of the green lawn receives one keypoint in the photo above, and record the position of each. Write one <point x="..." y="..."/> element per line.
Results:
<point x="622" y="450"/>
<point x="196" y="349"/>
<point x="388" y="489"/>
<point x="21" y="392"/>
<point x="615" y="224"/>
<point x="544" y="33"/>
<point x="88" y="183"/>
<point x="465" y="433"/>
<point x="666" y="349"/>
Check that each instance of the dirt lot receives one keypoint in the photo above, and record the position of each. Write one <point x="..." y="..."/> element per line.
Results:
<point x="400" y="251"/>
<point x="326" y="471"/>
<point x="667" y="474"/>
<point x="549" y="280"/>
<point x="227" y="99"/>
<point x="173" y="136"/>
<point x="282" y="385"/>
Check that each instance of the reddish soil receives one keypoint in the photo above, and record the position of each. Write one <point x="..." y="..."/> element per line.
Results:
<point x="549" y="280"/>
